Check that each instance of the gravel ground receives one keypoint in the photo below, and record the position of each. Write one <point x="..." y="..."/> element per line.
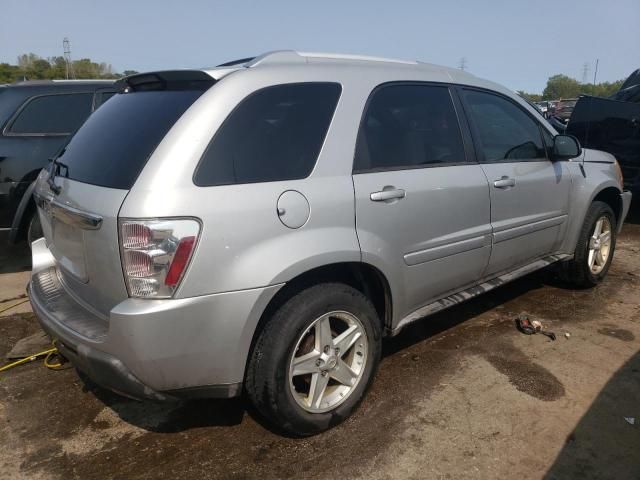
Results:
<point x="460" y="395"/>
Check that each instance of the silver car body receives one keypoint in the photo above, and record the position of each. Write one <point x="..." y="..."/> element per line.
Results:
<point x="452" y="236"/>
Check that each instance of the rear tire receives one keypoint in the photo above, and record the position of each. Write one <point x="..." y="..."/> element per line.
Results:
<point x="297" y="379"/>
<point x="595" y="248"/>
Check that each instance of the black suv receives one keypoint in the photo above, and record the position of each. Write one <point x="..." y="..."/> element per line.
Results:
<point x="36" y="120"/>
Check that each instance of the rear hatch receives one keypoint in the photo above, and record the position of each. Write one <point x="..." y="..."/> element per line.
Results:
<point x="79" y="203"/>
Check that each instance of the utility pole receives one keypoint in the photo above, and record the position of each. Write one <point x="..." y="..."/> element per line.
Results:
<point x="66" y="46"/>
<point x="595" y="74"/>
<point x="463" y="63"/>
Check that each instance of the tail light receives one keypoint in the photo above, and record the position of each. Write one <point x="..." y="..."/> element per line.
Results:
<point x="155" y="254"/>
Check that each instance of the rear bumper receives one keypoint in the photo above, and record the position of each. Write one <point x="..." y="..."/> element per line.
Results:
<point x="625" y="199"/>
<point x="155" y="349"/>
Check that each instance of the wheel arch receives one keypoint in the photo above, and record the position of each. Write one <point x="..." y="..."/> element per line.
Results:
<point x="611" y="196"/>
<point x="26" y="208"/>
<point x="364" y="277"/>
<point x="584" y="195"/>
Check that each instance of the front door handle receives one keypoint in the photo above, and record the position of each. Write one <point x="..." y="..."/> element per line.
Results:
<point x="386" y="195"/>
<point x="505" y="182"/>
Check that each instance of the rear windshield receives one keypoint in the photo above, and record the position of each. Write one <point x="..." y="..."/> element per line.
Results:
<point x="113" y="146"/>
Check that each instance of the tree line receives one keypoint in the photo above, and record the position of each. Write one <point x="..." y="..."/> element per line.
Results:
<point x="562" y="86"/>
<point x="33" y="67"/>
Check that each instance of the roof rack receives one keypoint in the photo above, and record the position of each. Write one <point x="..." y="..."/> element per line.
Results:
<point x="233" y="63"/>
<point x="292" y="56"/>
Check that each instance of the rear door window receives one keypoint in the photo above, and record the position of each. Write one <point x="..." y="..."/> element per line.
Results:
<point x="409" y="126"/>
<point x="60" y="114"/>
<point x="115" y="143"/>
<point x="274" y="134"/>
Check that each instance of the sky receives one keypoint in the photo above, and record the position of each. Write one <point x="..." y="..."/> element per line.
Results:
<point x="517" y="43"/>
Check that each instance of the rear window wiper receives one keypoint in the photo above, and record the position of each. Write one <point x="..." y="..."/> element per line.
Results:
<point x="54" y="170"/>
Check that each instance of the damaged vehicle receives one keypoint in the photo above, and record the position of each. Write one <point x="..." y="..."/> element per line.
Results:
<point x="259" y="227"/>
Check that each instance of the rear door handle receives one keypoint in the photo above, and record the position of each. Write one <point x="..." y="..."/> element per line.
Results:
<point x="505" y="182"/>
<point x="386" y="195"/>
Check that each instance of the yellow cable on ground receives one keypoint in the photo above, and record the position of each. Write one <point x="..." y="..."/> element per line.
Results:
<point x="14" y="305"/>
<point x="47" y="354"/>
<point x="58" y="364"/>
<point x="28" y="359"/>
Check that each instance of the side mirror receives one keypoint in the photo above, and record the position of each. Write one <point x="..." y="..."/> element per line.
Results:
<point x="565" y="147"/>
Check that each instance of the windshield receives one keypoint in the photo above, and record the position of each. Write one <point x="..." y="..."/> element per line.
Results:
<point x="113" y="146"/>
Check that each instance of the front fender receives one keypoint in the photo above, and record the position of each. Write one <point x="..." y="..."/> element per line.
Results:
<point x="588" y="183"/>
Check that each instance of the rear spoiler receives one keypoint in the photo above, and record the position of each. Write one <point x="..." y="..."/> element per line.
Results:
<point x="166" y="80"/>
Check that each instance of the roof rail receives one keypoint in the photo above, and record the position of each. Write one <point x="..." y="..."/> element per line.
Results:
<point x="233" y="63"/>
<point x="276" y="56"/>
<point x="362" y="58"/>
<point x="292" y="56"/>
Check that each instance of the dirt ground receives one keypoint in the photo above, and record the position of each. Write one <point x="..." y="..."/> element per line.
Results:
<point x="460" y="395"/>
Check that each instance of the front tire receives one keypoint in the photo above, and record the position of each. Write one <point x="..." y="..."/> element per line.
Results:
<point x="595" y="247"/>
<point x="315" y="359"/>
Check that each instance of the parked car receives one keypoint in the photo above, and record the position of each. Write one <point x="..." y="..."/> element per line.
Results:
<point x="36" y="119"/>
<point x="613" y="125"/>
<point x="212" y="232"/>
<point x="630" y="89"/>
<point x="563" y="110"/>
<point x="543" y="107"/>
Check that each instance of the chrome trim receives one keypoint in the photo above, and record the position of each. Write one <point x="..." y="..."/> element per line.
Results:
<point x="67" y="214"/>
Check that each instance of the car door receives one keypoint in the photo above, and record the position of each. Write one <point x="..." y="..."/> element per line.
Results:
<point x="30" y="137"/>
<point x="529" y="192"/>
<point x="422" y="202"/>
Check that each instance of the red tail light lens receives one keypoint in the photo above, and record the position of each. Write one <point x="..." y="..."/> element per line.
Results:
<point x="180" y="261"/>
<point x="156" y="253"/>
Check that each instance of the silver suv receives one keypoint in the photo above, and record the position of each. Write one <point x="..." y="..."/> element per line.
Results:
<point x="259" y="227"/>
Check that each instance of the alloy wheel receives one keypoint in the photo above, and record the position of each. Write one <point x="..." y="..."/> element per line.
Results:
<point x="599" y="245"/>
<point x="328" y="361"/>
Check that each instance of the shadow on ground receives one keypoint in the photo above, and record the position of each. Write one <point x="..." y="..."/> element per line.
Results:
<point x="634" y="211"/>
<point x="14" y="258"/>
<point x="604" y="444"/>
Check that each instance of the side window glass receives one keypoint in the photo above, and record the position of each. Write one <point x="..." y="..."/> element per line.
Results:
<point x="506" y="132"/>
<point x="548" y="140"/>
<point x="409" y="126"/>
<point x="102" y="97"/>
<point x="274" y="134"/>
<point x="53" y="114"/>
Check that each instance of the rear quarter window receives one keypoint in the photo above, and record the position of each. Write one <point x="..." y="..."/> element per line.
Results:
<point x="274" y="134"/>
